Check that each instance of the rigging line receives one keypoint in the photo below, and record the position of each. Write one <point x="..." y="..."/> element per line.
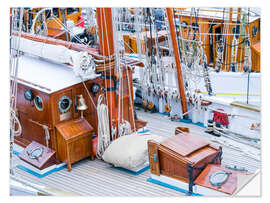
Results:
<point x="151" y="38"/>
<point x="117" y="54"/>
<point x="109" y="53"/>
<point x="13" y="118"/>
<point x="130" y="97"/>
<point x="179" y="49"/>
<point x="196" y="18"/>
<point x="13" y="61"/>
<point x="17" y="60"/>
<point x="120" y="72"/>
<point x="121" y="86"/>
<point x="124" y="43"/>
<point x="224" y="29"/>
<point x="190" y="22"/>
<point x="241" y="30"/>
<point x="103" y="49"/>
<point x="182" y="53"/>
<point x="53" y="17"/>
<point x="229" y="45"/>
<point x="69" y="31"/>
<point x="137" y="27"/>
<point x="84" y="82"/>
<point x="160" y="62"/>
<point x="88" y="92"/>
<point x="225" y="40"/>
<point x="178" y="38"/>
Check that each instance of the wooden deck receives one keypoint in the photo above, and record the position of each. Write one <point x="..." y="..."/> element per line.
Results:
<point x="97" y="178"/>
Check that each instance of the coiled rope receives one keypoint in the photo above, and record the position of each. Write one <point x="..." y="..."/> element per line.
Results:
<point x="103" y="127"/>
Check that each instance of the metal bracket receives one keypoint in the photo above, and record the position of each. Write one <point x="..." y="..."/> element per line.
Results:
<point x="190" y="177"/>
<point x="105" y="89"/>
<point x="155" y="158"/>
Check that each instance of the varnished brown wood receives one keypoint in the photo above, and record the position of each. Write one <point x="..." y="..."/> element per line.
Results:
<point x="104" y="21"/>
<point x="181" y="130"/>
<point x="256" y="56"/>
<point x="27" y="111"/>
<point x="74" y="140"/>
<point x="229" y="39"/>
<point x="69" y="45"/>
<point x="140" y="124"/>
<point x="153" y="157"/>
<point x="45" y="160"/>
<point x="229" y="187"/>
<point x="204" y="25"/>
<point x="50" y="115"/>
<point x="175" y="153"/>
<point x="177" y="61"/>
<point x="184" y="144"/>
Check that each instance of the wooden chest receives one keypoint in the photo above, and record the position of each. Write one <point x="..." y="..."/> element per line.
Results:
<point x="74" y="141"/>
<point x="182" y="157"/>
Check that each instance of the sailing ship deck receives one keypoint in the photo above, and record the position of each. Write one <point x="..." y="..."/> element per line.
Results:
<point x="97" y="178"/>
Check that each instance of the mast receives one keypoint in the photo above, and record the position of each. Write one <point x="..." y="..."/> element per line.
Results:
<point x="106" y="48"/>
<point x="104" y="21"/>
<point x="177" y="61"/>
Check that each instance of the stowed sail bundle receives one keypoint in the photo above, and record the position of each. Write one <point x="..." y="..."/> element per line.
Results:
<point x="83" y="64"/>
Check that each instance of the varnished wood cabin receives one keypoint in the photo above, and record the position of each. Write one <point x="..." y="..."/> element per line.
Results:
<point x="212" y="21"/>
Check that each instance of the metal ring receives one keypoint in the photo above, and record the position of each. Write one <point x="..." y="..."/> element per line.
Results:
<point x="40" y="108"/>
<point x="64" y="110"/>
<point x="35" y="153"/>
<point x="219" y="178"/>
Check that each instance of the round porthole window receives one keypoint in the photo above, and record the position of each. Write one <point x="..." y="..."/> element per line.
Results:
<point x="38" y="103"/>
<point x="28" y="95"/>
<point x="64" y="104"/>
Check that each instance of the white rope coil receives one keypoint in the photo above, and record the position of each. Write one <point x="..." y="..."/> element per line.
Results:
<point x="103" y="128"/>
<point x="15" y="122"/>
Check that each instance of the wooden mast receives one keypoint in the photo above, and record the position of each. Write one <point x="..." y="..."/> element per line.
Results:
<point x="104" y="21"/>
<point x="106" y="48"/>
<point x="177" y="61"/>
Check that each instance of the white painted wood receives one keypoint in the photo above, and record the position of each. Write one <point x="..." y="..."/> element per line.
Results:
<point x="46" y="74"/>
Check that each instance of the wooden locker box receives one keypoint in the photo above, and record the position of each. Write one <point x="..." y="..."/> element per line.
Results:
<point x="182" y="157"/>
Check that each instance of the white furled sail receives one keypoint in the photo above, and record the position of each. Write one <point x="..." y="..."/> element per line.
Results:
<point x="82" y="63"/>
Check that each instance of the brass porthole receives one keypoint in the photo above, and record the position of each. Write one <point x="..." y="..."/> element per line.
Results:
<point x="38" y="103"/>
<point x="64" y="104"/>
